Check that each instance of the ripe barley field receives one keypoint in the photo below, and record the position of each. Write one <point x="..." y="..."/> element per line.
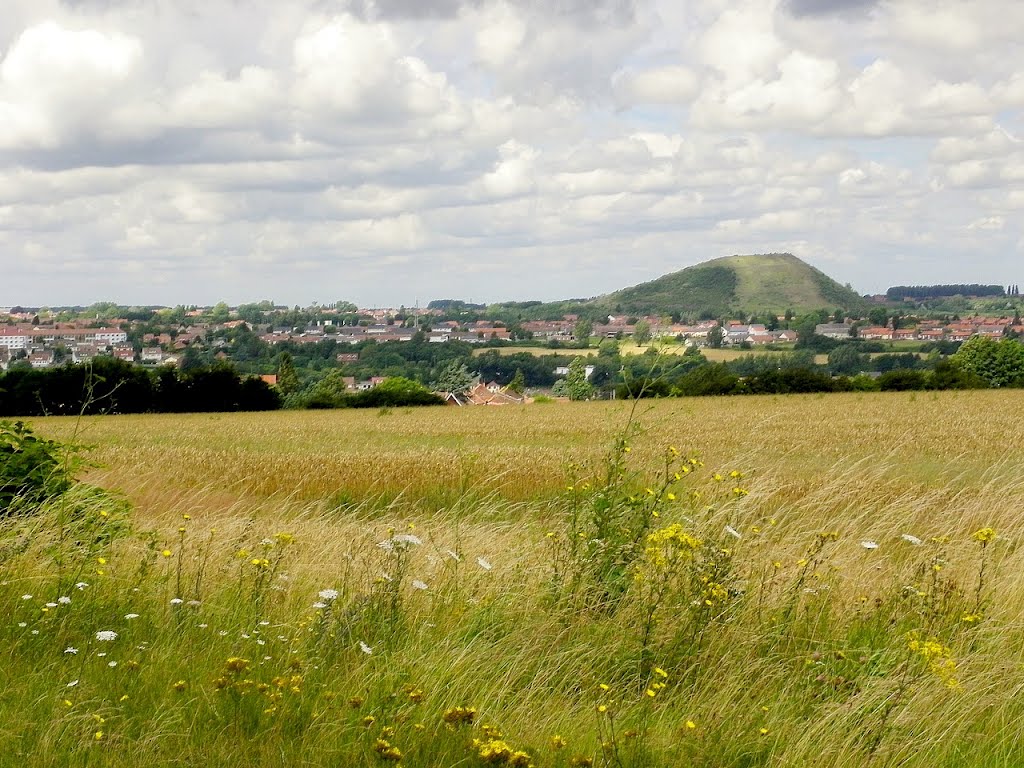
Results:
<point x="780" y="581"/>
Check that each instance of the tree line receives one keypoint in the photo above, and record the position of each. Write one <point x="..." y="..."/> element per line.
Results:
<point x="108" y="385"/>
<point x="900" y="292"/>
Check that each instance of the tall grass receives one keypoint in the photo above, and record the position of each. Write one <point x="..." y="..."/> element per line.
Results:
<point x="834" y="611"/>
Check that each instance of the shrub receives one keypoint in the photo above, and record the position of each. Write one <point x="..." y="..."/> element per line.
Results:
<point x="32" y="469"/>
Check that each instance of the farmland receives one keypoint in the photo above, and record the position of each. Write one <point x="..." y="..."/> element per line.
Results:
<point x="803" y="580"/>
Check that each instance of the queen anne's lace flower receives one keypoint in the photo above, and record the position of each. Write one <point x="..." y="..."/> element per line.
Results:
<point x="106" y="635"/>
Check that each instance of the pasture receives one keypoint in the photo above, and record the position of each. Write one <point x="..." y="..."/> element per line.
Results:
<point x="759" y="581"/>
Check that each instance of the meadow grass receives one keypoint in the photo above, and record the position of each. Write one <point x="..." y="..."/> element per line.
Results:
<point x="832" y="581"/>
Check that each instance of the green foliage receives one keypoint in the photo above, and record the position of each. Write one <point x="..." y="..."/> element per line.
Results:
<point x="642" y="332"/>
<point x="393" y="392"/>
<point x="518" y="383"/>
<point x="455" y="378"/>
<point x="997" y="363"/>
<point x="576" y="384"/>
<point x="846" y="360"/>
<point x="32" y="469"/>
<point x="287" y="378"/>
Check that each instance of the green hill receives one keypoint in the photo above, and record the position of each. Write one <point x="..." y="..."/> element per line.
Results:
<point x="759" y="283"/>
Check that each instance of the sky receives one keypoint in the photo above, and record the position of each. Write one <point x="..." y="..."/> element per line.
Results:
<point x="391" y="152"/>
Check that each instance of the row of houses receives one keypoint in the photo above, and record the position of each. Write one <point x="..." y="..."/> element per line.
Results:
<point x="14" y="337"/>
<point x="381" y="333"/>
<point x="995" y="328"/>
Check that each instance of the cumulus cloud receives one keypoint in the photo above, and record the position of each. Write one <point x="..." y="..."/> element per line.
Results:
<point x="389" y="150"/>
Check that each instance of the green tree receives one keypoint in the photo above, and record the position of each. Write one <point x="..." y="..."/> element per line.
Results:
<point x="998" y="363"/>
<point x="576" y="384"/>
<point x="455" y="378"/>
<point x="582" y="331"/>
<point x="715" y="336"/>
<point x="287" y="378"/>
<point x="845" y="360"/>
<point x="642" y="332"/>
<point x="518" y="383"/>
<point x="221" y="313"/>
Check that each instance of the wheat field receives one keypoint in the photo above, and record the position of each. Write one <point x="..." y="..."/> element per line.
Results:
<point x="831" y="581"/>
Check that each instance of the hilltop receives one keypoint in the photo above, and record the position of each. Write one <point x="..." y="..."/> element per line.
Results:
<point x="749" y="284"/>
<point x="771" y="282"/>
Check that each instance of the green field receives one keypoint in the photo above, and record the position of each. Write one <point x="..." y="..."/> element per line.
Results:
<point x="832" y="581"/>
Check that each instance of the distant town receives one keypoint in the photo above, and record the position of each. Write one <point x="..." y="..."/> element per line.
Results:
<point x="43" y="338"/>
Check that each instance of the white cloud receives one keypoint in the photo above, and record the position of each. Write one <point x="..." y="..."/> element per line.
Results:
<point x="659" y="85"/>
<point x="55" y="81"/>
<point x="221" y="151"/>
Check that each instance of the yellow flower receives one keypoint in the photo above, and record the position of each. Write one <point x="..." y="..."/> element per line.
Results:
<point x="166" y="553"/>
<point x="690" y="725"/>
<point x="98" y="735"/>
<point x="984" y="535"/>
<point x="557" y="742"/>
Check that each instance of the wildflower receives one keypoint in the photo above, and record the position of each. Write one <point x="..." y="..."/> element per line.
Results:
<point x="51" y="605"/>
<point x="70" y="650"/>
<point x="690" y="725"/>
<point x="81" y="585"/>
<point x="106" y="635"/>
<point x="453" y="555"/>
<point x="365" y="648"/>
<point x="167" y="553"/>
<point x="763" y="731"/>
<point x="557" y="742"/>
<point x="415" y="695"/>
<point x="328" y="594"/>
<point x="284" y="538"/>
<point x="72" y="684"/>
<point x="911" y="539"/>
<point x="176" y="601"/>
<point x="984" y="535"/>
<point x="387" y="751"/>
<point x="368" y="721"/>
<point x="111" y="664"/>
<point x="236" y="664"/>
<point x="26" y="597"/>
<point x="319" y="606"/>
<point x="417" y="584"/>
<point x="64" y="600"/>
<point x="660" y="672"/>
<point x="406" y="539"/>
<point x="179" y="686"/>
<point x="130" y="616"/>
<point x="101" y="560"/>
<point x="868" y="544"/>
<point x="459" y="715"/>
<point x="484" y="563"/>
<point x="733" y="532"/>
<point x="98" y="736"/>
